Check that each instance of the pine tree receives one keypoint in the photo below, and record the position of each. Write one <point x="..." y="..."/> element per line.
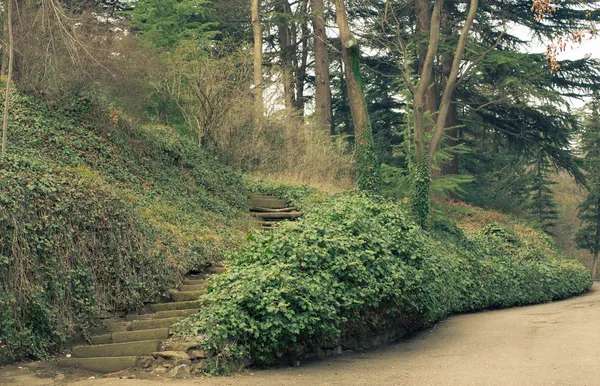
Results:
<point x="589" y="211"/>
<point x="165" y="23"/>
<point x="542" y="205"/>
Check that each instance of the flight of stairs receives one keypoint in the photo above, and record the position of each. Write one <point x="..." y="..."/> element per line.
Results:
<point x="120" y="343"/>
<point x="270" y="210"/>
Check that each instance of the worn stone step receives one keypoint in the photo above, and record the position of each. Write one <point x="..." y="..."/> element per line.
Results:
<point x="161" y="315"/>
<point x="145" y="347"/>
<point x="131" y="336"/>
<point x="277" y="215"/>
<point x="190" y="305"/>
<point x="214" y="270"/>
<point x="262" y="201"/>
<point x="104" y="365"/>
<point x="259" y="209"/>
<point x="175" y="313"/>
<point x="192" y="287"/>
<point x="115" y="326"/>
<point x="194" y="282"/>
<point x="183" y="296"/>
<point x="150" y="324"/>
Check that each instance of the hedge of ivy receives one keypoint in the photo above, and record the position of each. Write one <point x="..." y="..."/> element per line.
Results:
<point x="356" y="265"/>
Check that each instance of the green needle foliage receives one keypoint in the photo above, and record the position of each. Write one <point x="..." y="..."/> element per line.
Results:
<point x="543" y="207"/>
<point x="589" y="211"/>
<point x="165" y="23"/>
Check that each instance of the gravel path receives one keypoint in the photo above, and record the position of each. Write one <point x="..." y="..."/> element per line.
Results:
<point x="549" y="344"/>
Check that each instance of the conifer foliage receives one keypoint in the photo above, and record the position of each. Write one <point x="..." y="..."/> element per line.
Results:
<point x="542" y="205"/>
<point x="589" y="211"/>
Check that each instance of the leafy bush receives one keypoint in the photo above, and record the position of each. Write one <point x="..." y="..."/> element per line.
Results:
<point x="356" y="266"/>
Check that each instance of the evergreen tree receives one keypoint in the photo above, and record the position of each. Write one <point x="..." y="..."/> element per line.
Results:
<point x="165" y="23"/>
<point x="589" y="211"/>
<point x="542" y="205"/>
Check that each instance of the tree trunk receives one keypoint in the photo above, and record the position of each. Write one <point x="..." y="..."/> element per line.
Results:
<point x="367" y="167"/>
<point x="431" y="93"/>
<point x="301" y="67"/>
<point x="597" y="239"/>
<point x="595" y="267"/>
<point x="426" y="77"/>
<point x="286" y="54"/>
<point x="4" y="47"/>
<point x="452" y="80"/>
<point x="322" y="83"/>
<point x="9" y="78"/>
<point x="259" y="106"/>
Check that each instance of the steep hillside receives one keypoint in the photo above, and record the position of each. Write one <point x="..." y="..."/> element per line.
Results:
<point x="100" y="214"/>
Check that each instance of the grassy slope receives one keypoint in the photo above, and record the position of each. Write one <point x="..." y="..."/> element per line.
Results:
<point x="101" y="214"/>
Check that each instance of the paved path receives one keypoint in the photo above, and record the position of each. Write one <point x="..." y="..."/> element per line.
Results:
<point x="550" y="344"/>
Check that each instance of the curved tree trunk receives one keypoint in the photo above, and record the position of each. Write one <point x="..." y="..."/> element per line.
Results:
<point x="367" y="167"/>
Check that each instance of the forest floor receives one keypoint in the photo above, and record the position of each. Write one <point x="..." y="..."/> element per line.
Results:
<point x="548" y="344"/>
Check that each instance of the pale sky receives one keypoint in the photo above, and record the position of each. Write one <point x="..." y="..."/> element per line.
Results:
<point x="591" y="46"/>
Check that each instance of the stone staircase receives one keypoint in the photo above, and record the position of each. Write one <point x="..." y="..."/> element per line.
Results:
<point x="126" y="341"/>
<point x="270" y="210"/>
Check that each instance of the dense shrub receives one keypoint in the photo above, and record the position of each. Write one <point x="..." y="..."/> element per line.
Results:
<point x="355" y="266"/>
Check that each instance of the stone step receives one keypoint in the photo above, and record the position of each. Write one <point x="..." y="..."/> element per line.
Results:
<point x="194" y="282"/>
<point x="161" y="315"/>
<point x="192" y="287"/>
<point x="131" y="336"/>
<point x="261" y="201"/>
<point x="215" y="270"/>
<point x="145" y="347"/>
<point x="183" y="296"/>
<point x="277" y="215"/>
<point x="191" y="305"/>
<point x="259" y="209"/>
<point x="150" y="324"/>
<point x="104" y="365"/>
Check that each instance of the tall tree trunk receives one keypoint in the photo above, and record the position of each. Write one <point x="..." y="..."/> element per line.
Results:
<point x="286" y="55"/>
<point x="303" y="64"/>
<point x="452" y="118"/>
<point x="259" y="107"/>
<point x="322" y="83"/>
<point x="9" y="78"/>
<point x="432" y="93"/>
<point x="4" y="47"/>
<point x="426" y="77"/>
<point x="597" y="239"/>
<point x="367" y="166"/>
<point x="595" y="267"/>
<point x="452" y="81"/>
